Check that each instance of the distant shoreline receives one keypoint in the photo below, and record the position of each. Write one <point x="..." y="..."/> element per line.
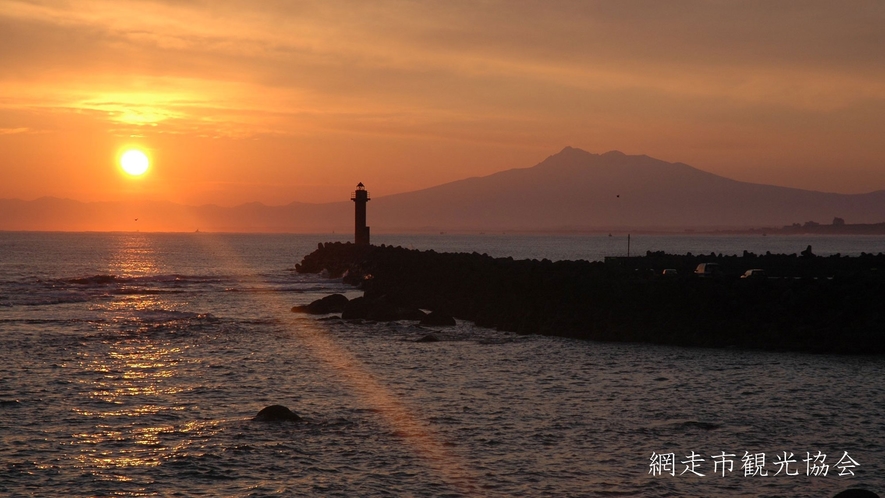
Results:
<point x="812" y="228"/>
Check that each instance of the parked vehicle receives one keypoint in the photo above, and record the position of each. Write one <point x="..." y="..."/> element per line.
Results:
<point x="754" y="273"/>
<point x="670" y="272"/>
<point x="708" y="270"/>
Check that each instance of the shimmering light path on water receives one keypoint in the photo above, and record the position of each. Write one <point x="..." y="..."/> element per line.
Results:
<point x="131" y="364"/>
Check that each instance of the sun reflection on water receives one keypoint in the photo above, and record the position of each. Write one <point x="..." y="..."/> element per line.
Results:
<point x="135" y="257"/>
<point x="133" y="381"/>
<point x="133" y="378"/>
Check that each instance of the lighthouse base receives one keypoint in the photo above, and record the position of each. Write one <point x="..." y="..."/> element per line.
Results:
<point x="362" y="236"/>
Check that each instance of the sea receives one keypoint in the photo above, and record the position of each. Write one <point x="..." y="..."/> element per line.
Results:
<point x="132" y="364"/>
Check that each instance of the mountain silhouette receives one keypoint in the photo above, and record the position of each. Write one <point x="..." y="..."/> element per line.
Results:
<point x="579" y="190"/>
<point x="571" y="190"/>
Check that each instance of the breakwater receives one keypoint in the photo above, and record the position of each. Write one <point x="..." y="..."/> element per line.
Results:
<point x="806" y="303"/>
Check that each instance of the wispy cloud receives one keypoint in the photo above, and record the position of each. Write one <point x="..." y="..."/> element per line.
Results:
<point x="13" y="131"/>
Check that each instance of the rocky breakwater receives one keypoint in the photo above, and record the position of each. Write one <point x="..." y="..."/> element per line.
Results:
<point x="826" y="305"/>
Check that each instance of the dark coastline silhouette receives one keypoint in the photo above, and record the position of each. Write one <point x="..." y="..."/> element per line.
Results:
<point x="805" y="303"/>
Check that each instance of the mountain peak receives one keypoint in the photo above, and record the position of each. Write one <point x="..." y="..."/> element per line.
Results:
<point x="568" y="150"/>
<point x="569" y="153"/>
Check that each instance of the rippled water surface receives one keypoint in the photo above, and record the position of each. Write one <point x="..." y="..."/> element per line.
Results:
<point x="131" y="365"/>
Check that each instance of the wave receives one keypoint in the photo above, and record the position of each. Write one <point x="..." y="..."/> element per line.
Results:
<point x="161" y="315"/>
<point x="135" y="291"/>
<point x="107" y="279"/>
<point x="271" y="289"/>
<point x="30" y="290"/>
<point x="96" y="280"/>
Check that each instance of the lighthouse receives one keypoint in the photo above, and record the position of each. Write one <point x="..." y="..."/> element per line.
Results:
<point x="360" y="197"/>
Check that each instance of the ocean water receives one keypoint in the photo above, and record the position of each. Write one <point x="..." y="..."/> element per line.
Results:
<point x="131" y="365"/>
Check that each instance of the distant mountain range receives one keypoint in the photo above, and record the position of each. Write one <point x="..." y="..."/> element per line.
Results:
<point x="571" y="190"/>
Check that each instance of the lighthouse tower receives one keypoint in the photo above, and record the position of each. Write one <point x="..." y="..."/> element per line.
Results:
<point x="360" y="197"/>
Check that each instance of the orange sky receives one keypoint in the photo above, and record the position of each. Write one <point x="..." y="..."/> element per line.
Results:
<point x="240" y="101"/>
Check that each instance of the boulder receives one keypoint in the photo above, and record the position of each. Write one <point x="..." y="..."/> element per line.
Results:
<point x="379" y="310"/>
<point x="428" y="338"/>
<point x="356" y="309"/>
<point x="438" y="319"/>
<point x="276" y="413"/>
<point x="410" y="314"/>
<point x="334" y="303"/>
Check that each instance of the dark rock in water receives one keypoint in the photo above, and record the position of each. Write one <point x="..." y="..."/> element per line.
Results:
<point x="356" y="309"/>
<point x="276" y="413"/>
<point x="856" y="493"/>
<point x="334" y="303"/>
<point x="435" y="318"/>
<point x="379" y="310"/>
<point x="428" y="338"/>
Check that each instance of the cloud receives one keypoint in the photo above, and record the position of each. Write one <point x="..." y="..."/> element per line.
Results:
<point x="444" y="55"/>
<point x="635" y="75"/>
<point x="13" y="131"/>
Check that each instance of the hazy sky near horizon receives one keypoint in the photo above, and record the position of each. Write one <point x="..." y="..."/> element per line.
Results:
<point x="280" y="101"/>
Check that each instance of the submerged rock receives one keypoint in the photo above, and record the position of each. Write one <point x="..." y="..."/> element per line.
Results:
<point x="276" y="413"/>
<point x="428" y="338"/>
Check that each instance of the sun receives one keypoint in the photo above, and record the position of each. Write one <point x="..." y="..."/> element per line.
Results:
<point x="134" y="162"/>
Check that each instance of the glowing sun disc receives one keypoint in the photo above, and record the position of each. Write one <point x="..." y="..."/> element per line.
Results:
<point x="134" y="162"/>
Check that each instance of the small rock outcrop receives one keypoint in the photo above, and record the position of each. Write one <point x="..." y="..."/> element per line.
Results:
<point x="428" y="338"/>
<point x="276" y="413"/>
<point x="334" y="303"/>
